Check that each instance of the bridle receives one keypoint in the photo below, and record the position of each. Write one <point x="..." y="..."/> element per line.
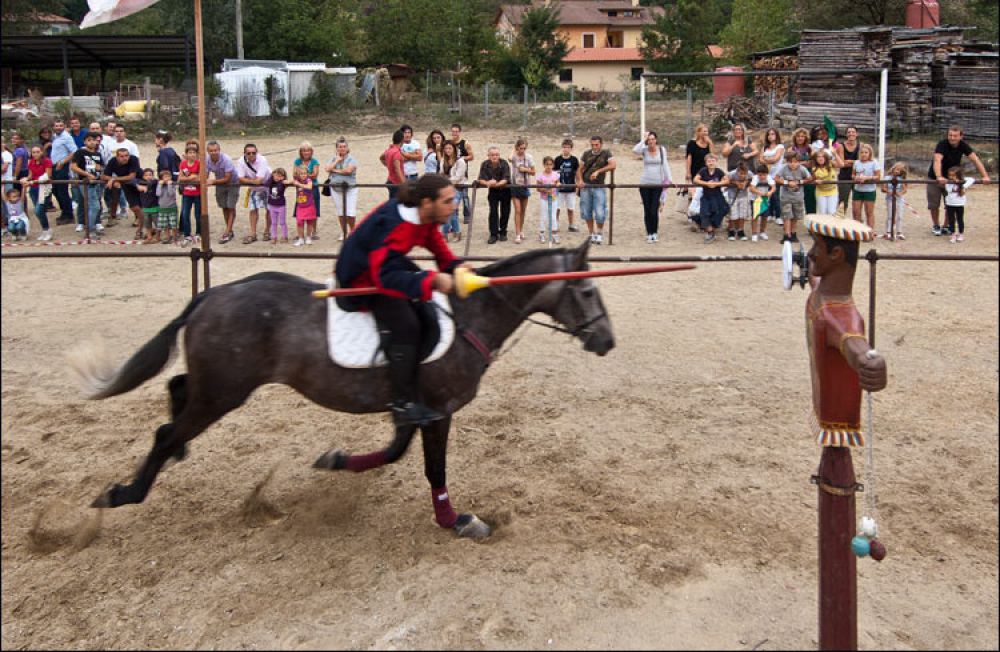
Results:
<point x="522" y="314"/>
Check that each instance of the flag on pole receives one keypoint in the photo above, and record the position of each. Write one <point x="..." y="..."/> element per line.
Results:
<point x="106" y="11"/>
<point x="831" y="129"/>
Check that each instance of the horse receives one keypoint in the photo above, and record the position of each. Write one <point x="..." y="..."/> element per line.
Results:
<point x="268" y="328"/>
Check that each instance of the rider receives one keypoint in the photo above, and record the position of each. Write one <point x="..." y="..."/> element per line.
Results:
<point x="375" y="254"/>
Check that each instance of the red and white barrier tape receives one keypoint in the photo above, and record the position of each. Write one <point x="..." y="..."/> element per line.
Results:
<point x="69" y="243"/>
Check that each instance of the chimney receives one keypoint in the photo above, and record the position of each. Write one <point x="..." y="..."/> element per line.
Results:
<point x="923" y="13"/>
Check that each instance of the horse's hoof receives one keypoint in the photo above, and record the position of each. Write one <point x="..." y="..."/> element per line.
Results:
<point x="106" y="499"/>
<point x="332" y="460"/>
<point x="469" y="526"/>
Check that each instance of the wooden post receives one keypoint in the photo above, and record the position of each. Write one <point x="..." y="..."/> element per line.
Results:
<point x="206" y="239"/>
<point x="838" y="579"/>
<point x="147" y="95"/>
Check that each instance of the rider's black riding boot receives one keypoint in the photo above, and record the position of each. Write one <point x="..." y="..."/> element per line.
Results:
<point x="407" y="409"/>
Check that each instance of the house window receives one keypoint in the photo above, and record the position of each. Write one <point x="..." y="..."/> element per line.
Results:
<point x="628" y="14"/>
<point x="615" y="39"/>
<point x="612" y="13"/>
<point x="637" y="74"/>
<point x="589" y="39"/>
<point x="566" y="75"/>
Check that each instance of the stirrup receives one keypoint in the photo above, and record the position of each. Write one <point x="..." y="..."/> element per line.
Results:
<point x="411" y="413"/>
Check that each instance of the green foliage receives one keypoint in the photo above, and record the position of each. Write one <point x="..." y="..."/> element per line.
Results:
<point x="63" y="108"/>
<point x="758" y="25"/>
<point x="537" y="52"/>
<point x="837" y="14"/>
<point x="301" y="30"/>
<point x="428" y="34"/>
<point x="677" y="41"/>
<point x="984" y="15"/>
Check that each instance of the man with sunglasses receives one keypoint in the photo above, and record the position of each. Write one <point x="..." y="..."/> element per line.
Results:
<point x="253" y="171"/>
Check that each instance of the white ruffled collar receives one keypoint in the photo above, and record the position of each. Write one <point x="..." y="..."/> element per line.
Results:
<point x="409" y="214"/>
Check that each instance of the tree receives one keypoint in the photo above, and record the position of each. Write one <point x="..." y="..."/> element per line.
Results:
<point x="836" y="14"/>
<point x="677" y="41"/>
<point x="984" y="15"/>
<point x="537" y="52"/>
<point x="758" y="25"/>
<point x="427" y="34"/>
<point x="301" y="30"/>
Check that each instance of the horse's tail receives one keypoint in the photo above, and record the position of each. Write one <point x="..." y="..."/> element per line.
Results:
<point x="102" y="380"/>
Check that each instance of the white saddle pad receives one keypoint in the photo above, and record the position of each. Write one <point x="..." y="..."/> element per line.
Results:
<point x="353" y="337"/>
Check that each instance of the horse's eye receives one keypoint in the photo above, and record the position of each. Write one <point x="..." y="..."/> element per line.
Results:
<point x="588" y="293"/>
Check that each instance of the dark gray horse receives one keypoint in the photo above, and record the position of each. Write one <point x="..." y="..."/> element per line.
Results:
<point x="267" y="328"/>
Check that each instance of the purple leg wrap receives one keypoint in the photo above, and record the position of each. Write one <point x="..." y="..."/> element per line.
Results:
<point x="358" y="463"/>
<point x="443" y="511"/>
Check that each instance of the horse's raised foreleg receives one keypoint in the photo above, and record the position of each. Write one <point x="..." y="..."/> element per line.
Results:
<point x="339" y="460"/>
<point x="435" y="440"/>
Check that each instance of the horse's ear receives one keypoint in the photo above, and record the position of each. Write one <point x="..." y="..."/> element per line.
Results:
<point x="580" y="255"/>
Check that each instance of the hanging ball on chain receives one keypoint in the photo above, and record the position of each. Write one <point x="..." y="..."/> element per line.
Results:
<point x="860" y="546"/>
<point x="877" y="550"/>
<point x="868" y="527"/>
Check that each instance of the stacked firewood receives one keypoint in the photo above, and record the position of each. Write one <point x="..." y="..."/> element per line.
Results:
<point x="781" y="86"/>
<point x="738" y="109"/>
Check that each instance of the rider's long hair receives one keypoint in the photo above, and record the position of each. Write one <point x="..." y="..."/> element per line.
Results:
<point x="428" y="186"/>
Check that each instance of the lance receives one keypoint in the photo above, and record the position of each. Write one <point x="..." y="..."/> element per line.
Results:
<point x="467" y="281"/>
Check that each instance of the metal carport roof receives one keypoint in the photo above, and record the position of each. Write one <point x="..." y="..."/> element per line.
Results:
<point x="67" y="51"/>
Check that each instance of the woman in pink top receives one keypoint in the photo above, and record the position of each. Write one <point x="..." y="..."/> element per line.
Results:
<point x="548" y="226"/>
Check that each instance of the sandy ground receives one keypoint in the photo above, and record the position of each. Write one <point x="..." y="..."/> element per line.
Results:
<point x="658" y="497"/>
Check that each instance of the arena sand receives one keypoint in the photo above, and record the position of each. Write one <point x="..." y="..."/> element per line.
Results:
<point x="658" y="497"/>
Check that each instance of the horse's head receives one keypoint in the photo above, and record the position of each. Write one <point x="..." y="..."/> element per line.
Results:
<point x="577" y="304"/>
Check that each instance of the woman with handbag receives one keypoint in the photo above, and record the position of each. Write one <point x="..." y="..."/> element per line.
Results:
<point x="342" y="186"/>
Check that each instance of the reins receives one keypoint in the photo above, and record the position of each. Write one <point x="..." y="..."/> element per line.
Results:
<point x="478" y="344"/>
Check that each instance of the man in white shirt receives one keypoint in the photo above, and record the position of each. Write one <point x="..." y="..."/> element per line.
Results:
<point x="253" y="171"/>
<point x="411" y="154"/>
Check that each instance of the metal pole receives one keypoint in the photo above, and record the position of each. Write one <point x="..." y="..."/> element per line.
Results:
<point x="85" y="202"/>
<point x="459" y="97"/>
<point x="206" y="240"/>
<point x="524" y="125"/>
<point x="642" y="106"/>
<point x="239" y="29"/>
<point x="893" y="188"/>
<point x="838" y="579"/>
<point x="690" y="110"/>
<point x="882" y="105"/>
<point x="621" y="124"/>
<point x="427" y="86"/>
<point x="68" y="84"/>
<point x="571" y="101"/>
<point x="472" y="214"/>
<point x="770" y="108"/>
<point x="486" y="92"/>
<point x="611" y="211"/>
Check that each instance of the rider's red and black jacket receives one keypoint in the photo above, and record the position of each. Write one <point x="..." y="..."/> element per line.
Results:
<point x="375" y="254"/>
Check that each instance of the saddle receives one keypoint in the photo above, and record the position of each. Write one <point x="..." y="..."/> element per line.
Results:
<point x="354" y="341"/>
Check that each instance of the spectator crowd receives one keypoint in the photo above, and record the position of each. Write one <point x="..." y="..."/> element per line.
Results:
<point x="745" y="182"/>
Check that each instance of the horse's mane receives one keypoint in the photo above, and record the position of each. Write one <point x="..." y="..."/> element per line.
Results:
<point x="496" y="269"/>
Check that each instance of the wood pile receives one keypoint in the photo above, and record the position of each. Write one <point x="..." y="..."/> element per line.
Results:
<point x="849" y="48"/>
<point x="969" y="96"/>
<point x="738" y="109"/>
<point x="811" y="114"/>
<point x="781" y="86"/>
